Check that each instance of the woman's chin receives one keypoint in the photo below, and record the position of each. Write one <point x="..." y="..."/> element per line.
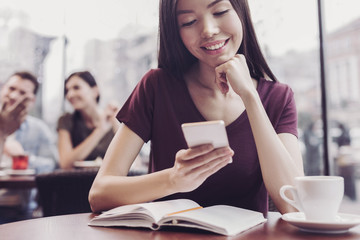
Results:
<point x="221" y="60"/>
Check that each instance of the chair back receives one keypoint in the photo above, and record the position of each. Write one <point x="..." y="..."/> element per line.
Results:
<point x="65" y="191"/>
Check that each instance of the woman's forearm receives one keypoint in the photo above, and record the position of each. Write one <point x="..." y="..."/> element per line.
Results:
<point x="68" y="155"/>
<point x="112" y="187"/>
<point x="112" y="191"/>
<point x="279" y="163"/>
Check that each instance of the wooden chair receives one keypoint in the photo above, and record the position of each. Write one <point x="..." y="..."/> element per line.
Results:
<point x="65" y="191"/>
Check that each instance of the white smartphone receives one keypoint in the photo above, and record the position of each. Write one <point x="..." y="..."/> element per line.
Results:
<point x="198" y="133"/>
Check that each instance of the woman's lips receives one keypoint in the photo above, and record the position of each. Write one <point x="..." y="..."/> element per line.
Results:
<point x="215" y="47"/>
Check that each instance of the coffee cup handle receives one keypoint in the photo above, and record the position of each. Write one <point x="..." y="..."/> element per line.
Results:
<point x="295" y="203"/>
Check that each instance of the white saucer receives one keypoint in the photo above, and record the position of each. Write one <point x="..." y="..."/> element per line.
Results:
<point x="20" y="172"/>
<point x="342" y="223"/>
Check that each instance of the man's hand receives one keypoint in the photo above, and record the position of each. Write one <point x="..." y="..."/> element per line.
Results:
<point x="11" y="116"/>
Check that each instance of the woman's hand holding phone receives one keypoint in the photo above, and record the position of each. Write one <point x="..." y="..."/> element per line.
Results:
<point x="194" y="165"/>
<point x="208" y="152"/>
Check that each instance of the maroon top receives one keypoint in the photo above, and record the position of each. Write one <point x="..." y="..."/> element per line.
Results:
<point x="160" y="104"/>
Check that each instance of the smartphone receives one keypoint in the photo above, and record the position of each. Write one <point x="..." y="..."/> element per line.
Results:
<point x="198" y="133"/>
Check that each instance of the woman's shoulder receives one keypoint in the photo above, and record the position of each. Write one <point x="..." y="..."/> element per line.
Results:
<point x="65" y="121"/>
<point x="66" y="116"/>
<point x="156" y="78"/>
<point x="157" y="74"/>
<point x="275" y="93"/>
<point x="274" y="87"/>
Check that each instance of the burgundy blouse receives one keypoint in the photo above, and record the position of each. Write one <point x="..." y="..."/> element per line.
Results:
<point x="159" y="105"/>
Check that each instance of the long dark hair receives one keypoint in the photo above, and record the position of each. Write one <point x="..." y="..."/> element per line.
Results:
<point x="87" y="77"/>
<point x="174" y="57"/>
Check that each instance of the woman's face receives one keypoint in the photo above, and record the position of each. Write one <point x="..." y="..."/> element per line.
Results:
<point x="79" y="93"/>
<point x="210" y="29"/>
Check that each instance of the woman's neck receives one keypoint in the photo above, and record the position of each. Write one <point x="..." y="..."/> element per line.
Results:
<point x="202" y="76"/>
<point x="90" y="116"/>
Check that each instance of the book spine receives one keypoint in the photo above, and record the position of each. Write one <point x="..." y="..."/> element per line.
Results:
<point x="155" y="226"/>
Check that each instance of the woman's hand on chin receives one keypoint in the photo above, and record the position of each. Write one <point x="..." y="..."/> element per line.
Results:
<point x="236" y="73"/>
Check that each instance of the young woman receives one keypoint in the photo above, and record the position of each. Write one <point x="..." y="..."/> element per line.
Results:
<point x="210" y="68"/>
<point x="86" y="133"/>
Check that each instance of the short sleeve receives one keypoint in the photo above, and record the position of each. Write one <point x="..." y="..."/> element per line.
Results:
<point x="65" y="122"/>
<point x="288" y="118"/>
<point x="137" y="112"/>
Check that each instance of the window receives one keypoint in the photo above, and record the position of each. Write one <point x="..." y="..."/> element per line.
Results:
<point x="289" y="34"/>
<point x="342" y="51"/>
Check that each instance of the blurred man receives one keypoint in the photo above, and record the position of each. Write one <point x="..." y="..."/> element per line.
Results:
<point x="33" y="136"/>
<point x="11" y="116"/>
<point x="30" y="135"/>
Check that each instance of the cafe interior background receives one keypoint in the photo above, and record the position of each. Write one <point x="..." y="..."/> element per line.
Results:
<point x="314" y="50"/>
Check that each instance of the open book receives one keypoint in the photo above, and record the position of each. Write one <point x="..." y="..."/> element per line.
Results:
<point x="221" y="219"/>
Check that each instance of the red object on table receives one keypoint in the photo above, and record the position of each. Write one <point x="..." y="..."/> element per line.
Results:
<point x="20" y="162"/>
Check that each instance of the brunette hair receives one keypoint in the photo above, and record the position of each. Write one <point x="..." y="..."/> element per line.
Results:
<point x="87" y="77"/>
<point x="174" y="57"/>
<point x="25" y="75"/>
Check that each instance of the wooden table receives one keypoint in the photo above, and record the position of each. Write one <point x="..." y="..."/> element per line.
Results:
<point x="74" y="226"/>
<point x="28" y="181"/>
<point x="17" y="182"/>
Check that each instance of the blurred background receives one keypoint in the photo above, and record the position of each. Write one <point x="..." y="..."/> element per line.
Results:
<point x="116" y="41"/>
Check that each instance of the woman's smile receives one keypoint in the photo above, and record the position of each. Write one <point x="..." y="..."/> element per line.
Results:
<point x="216" y="47"/>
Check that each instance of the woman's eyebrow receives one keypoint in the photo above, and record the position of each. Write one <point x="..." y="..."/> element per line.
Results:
<point x="214" y="3"/>
<point x="179" y="12"/>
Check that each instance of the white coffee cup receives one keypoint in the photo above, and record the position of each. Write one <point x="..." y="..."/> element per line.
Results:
<point x="318" y="197"/>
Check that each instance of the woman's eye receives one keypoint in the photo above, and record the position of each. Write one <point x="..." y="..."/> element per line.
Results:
<point x="188" y="23"/>
<point x="221" y="12"/>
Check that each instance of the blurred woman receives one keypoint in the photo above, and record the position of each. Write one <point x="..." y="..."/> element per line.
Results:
<point x="86" y="133"/>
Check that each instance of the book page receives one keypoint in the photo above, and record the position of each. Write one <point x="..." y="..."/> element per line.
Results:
<point x="162" y="208"/>
<point x="226" y="220"/>
<point x="143" y="214"/>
